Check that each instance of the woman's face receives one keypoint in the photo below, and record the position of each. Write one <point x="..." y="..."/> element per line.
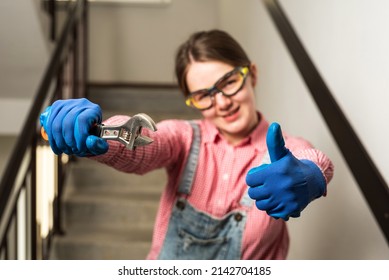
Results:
<point x="234" y="116"/>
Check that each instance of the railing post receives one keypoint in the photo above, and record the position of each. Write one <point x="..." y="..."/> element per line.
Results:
<point x="84" y="47"/>
<point x="57" y="216"/>
<point x="33" y="221"/>
<point x="53" y="18"/>
<point x="75" y="51"/>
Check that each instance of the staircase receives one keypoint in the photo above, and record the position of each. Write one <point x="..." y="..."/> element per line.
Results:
<point x="109" y="214"/>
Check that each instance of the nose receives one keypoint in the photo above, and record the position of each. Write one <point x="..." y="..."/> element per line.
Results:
<point x="222" y="101"/>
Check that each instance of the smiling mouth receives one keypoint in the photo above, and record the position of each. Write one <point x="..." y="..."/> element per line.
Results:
<point x="231" y="113"/>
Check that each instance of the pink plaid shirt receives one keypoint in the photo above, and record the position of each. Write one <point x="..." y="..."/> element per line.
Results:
<point x="219" y="183"/>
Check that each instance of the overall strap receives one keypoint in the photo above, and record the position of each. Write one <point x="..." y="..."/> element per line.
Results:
<point x="191" y="164"/>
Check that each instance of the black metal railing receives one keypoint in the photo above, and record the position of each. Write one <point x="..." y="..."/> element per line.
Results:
<point x="369" y="179"/>
<point x="53" y="18"/>
<point x="29" y="199"/>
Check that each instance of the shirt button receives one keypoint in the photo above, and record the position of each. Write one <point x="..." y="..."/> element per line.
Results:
<point x="180" y="205"/>
<point x="238" y="217"/>
<point x="225" y="176"/>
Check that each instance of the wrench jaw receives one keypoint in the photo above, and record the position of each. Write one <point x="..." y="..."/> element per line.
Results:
<point x="141" y="120"/>
<point x="129" y="133"/>
<point x="142" y="140"/>
<point x="137" y="122"/>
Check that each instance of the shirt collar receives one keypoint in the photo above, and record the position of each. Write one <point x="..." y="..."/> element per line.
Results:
<point x="212" y="133"/>
<point x="257" y="137"/>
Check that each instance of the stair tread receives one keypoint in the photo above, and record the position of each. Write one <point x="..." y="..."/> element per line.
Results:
<point x="112" y="234"/>
<point x="85" y="199"/>
<point x="105" y="211"/>
<point x="158" y="103"/>
<point x="104" y="176"/>
<point x="112" y="197"/>
<point x="87" y="250"/>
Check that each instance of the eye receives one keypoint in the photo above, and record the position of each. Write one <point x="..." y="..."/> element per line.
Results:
<point x="230" y="81"/>
<point x="200" y="95"/>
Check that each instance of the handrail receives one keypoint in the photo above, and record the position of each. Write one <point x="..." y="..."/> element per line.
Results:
<point x="20" y="172"/>
<point x="369" y="179"/>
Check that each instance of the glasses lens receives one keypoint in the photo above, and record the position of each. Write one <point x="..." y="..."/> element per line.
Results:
<point x="231" y="84"/>
<point x="201" y="99"/>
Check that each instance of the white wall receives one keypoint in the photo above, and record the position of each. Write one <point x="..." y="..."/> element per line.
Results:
<point x="137" y="43"/>
<point x="24" y="54"/>
<point x="348" y="42"/>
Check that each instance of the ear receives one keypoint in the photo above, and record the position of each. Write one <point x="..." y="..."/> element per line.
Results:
<point x="253" y="74"/>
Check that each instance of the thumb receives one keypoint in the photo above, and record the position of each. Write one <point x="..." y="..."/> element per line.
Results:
<point x="96" y="145"/>
<point x="275" y="142"/>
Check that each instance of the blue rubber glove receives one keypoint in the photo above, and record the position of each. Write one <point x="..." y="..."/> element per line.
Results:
<point x="287" y="185"/>
<point x="67" y="124"/>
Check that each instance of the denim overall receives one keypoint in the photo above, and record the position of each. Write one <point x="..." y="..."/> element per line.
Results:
<point x="195" y="235"/>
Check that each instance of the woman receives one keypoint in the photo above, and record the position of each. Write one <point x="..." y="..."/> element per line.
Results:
<point x="206" y="210"/>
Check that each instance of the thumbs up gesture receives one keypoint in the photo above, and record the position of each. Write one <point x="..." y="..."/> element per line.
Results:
<point x="287" y="185"/>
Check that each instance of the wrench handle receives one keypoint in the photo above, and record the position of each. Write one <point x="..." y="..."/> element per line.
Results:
<point x="95" y="130"/>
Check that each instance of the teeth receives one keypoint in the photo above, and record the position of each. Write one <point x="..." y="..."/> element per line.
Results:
<point x="230" y="114"/>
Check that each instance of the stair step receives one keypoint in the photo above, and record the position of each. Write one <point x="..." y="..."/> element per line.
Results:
<point x="114" y="209"/>
<point x="86" y="173"/>
<point x="146" y="100"/>
<point x="110" y="196"/>
<point x="102" y="243"/>
<point x="128" y="192"/>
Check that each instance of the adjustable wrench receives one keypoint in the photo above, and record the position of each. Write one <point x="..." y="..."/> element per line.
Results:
<point x="128" y="133"/>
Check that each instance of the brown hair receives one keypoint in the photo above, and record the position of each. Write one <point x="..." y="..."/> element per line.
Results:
<point x="213" y="45"/>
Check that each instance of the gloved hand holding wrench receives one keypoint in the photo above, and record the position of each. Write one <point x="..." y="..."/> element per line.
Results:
<point x="73" y="126"/>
